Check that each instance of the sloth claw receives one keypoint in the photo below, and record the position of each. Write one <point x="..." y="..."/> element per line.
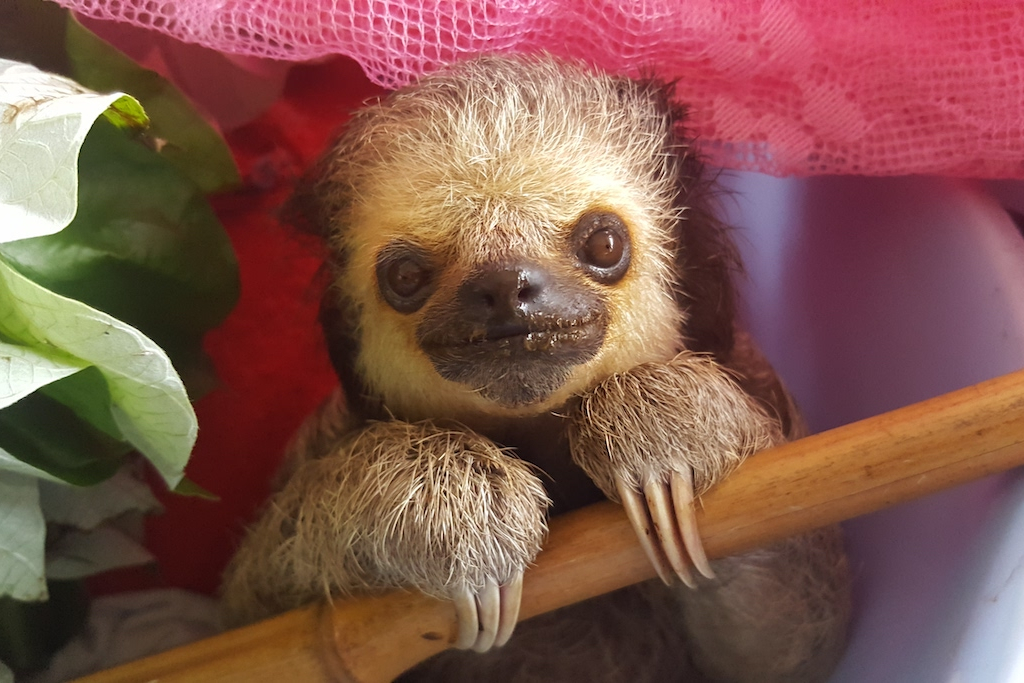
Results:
<point x="469" y="622"/>
<point x="683" y="498"/>
<point x="489" y="610"/>
<point x="511" y="598"/>
<point x="659" y="502"/>
<point x="636" y="511"/>
<point x="664" y="521"/>
<point x="487" y="619"/>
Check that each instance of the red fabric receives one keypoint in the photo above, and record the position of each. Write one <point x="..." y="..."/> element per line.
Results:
<point x="269" y="355"/>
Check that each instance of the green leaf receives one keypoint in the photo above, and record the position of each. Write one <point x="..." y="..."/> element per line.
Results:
<point x="87" y="395"/>
<point x="51" y="429"/>
<point x="46" y="434"/>
<point x="145" y="247"/>
<point x="8" y="463"/>
<point x="127" y="114"/>
<point x="67" y="428"/>
<point x="88" y="507"/>
<point x="22" y="532"/>
<point x="150" y="406"/>
<point x="45" y="122"/>
<point x="187" y="487"/>
<point x="185" y="138"/>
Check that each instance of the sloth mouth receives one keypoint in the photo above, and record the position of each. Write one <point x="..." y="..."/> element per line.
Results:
<point x="530" y="336"/>
<point x="514" y="362"/>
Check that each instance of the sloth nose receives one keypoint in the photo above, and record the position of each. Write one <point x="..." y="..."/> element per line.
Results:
<point x="503" y="290"/>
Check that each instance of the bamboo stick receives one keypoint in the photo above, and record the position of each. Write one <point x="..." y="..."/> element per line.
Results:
<point x="819" y="480"/>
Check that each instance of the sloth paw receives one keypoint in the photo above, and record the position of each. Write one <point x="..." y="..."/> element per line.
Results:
<point x="487" y="618"/>
<point x="662" y="515"/>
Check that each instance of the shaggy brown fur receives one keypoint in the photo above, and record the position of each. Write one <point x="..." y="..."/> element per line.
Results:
<point x="530" y="297"/>
<point x="683" y="415"/>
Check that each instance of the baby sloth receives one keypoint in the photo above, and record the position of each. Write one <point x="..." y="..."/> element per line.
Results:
<point x="531" y="308"/>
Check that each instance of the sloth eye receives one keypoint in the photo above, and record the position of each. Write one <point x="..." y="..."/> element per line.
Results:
<point x="404" y="278"/>
<point x="603" y="248"/>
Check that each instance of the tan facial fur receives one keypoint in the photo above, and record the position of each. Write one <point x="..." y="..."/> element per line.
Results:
<point x="475" y="170"/>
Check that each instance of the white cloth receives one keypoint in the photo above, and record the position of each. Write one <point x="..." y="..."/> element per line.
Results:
<point x="129" y="626"/>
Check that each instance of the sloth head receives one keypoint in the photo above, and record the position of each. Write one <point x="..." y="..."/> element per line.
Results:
<point x="509" y="231"/>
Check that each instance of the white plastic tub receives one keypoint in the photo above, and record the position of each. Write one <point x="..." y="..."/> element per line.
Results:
<point x="869" y="294"/>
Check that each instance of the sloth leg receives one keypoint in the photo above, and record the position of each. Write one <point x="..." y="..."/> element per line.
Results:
<point x="775" y="615"/>
<point x="658" y="435"/>
<point x="395" y="504"/>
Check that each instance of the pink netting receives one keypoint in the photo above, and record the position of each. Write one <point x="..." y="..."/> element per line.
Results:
<point x="781" y="86"/>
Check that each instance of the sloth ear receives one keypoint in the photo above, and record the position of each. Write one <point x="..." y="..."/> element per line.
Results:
<point x="706" y="262"/>
<point x="315" y="200"/>
<point x="705" y="258"/>
<point x="314" y="208"/>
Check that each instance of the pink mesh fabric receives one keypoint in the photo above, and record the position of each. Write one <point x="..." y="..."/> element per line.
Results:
<point x="783" y="86"/>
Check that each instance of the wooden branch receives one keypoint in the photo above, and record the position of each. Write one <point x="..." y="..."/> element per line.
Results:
<point x="826" y="478"/>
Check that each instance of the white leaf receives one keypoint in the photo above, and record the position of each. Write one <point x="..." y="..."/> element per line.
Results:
<point x="78" y="554"/>
<point x="150" y="405"/>
<point x="6" y="675"/>
<point x="86" y="507"/>
<point x="24" y="369"/>
<point x="44" y="119"/>
<point x="22" y="538"/>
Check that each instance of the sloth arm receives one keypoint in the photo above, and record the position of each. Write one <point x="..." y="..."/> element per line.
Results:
<point x="377" y="505"/>
<point x="780" y="613"/>
<point x="658" y="435"/>
<point x="772" y="615"/>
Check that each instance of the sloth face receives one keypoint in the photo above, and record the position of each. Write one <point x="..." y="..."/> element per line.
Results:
<point x="505" y="231"/>
<point x="514" y="328"/>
